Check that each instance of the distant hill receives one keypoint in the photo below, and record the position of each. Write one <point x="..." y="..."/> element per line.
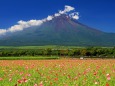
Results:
<point x="61" y="30"/>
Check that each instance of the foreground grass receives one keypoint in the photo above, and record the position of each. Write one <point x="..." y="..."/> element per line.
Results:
<point x="64" y="72"/>
<point x="29" y="58"/>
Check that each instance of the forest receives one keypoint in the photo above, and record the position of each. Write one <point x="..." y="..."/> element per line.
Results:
<point x="91" y="52"/>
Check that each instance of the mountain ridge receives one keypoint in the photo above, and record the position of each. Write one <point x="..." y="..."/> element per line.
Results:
<point x="61" y="30"/>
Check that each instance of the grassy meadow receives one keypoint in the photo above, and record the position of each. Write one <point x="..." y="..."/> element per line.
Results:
<point x="63" y="72"/>
<point x="30" y="58"/>
<point x="40" y="47"/>
<point x="56" y="66"/>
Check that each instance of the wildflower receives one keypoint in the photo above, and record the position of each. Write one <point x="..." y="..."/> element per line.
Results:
<point x="25" y="80"/>
<point x="41" y="83"/>
<point x="56" y="79"/>
<point x="29" y="74"/>
<point x="26" y="67"/>
<point x="1" y="79"/>
<point x="107" y="84"/>
<point x="108" y="75"/>
<point x="95" y="73"/>
<point x="69" y="76"/>
<point x="21" y="73"/>
<point x="10" y="79"/>
<point x="56" y="74"/>
<point x="35" y="85"/>
<point x="84" y="72"/>
<point x="108" y="78"/>
<point x="96" y="83"/>
<point x="20" y="81"/>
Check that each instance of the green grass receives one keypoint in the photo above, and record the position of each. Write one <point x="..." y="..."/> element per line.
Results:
<point x="29" y="58"/>
<point x="39" y="47"/>
<point x="44" y="47"/>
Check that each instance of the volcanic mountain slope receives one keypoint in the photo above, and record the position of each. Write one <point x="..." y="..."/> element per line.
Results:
<point x="61" y="30"/>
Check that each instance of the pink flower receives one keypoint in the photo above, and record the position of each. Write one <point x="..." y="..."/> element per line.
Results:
<point x="108" y="78"/>
<point x="1" y="79"/>
<point x="29" y="74"/>
<point x="26" y="67"/>
<point x="21" y="73"/>
<point x="41" y="83"/>
<point x="35" y="85"/>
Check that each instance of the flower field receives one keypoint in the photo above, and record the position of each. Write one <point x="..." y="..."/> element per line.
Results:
<point x="64" y="72"/>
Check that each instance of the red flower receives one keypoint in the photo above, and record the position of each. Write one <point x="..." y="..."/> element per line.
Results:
<point x="107" y="84"/>
<point x="25" y="80"/>
<point x="56" y="79"/>
<point x="20" y="81"/>
<point x="69" y="76"/>
<point x="95" y="73"/>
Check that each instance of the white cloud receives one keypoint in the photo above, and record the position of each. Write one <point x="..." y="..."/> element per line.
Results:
<point x="74" y="15"/>
<point x="23" y="24"/>
<point x="57" y="14"/>
<point x="61" y="12"/>
<point x="3" y="31"/>
<point x="50" y="18"/>
<point x="68" y="8"/>
<point x="26" y="24"/>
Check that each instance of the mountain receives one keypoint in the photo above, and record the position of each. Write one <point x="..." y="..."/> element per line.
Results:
<point x="61" y="30"/>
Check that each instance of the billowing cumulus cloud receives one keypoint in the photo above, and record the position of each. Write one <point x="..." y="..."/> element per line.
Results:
<point x="50" y="18"/>
<point x="24" y="24"/>
<point x="21" y="25"/>
<point x="67" y="9"/>
<point x="74" y="15"/>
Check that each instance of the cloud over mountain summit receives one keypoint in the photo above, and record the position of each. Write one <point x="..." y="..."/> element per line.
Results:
<point x="26" y="24"/>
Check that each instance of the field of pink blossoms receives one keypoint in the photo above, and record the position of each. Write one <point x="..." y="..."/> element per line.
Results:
<point x="64" y="72"/>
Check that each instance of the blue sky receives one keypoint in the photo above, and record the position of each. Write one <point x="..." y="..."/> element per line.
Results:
<point x="98" y="14"/>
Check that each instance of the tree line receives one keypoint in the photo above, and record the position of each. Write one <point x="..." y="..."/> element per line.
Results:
<point x="75" y="52"/>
